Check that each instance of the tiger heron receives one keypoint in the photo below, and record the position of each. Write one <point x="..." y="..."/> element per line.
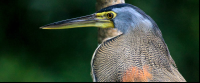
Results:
<point x="139" y="54"/>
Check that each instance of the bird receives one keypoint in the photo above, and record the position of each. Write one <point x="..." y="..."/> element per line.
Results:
<point x="139" y="54"/>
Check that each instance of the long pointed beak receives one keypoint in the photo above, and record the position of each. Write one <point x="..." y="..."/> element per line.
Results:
<point x="86" y="21"/>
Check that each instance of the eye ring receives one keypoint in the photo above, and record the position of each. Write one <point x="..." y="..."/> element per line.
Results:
<point x="110" y="15"/>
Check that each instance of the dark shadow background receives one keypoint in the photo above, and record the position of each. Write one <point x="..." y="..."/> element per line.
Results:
<point x="28" y="53"/>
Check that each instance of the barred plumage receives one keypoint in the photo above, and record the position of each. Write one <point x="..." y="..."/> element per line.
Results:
<point x="143" y="53"/>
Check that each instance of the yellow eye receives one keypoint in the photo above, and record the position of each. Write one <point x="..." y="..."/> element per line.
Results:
<point x="110" y="15"/>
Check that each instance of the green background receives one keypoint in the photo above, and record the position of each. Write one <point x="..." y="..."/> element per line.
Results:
<point x="28" y="53"/>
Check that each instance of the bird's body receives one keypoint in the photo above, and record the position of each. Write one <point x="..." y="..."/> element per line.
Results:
<point x="139" y="54"/>
<point x="144" y="57"/>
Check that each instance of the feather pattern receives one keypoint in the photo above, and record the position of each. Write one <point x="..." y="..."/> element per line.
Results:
<point x="137" y="57"/>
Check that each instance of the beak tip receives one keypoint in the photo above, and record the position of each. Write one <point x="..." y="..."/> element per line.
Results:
<point x="42" y="28"/>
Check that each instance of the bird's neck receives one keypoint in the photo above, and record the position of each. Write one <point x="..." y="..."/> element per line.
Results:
<point x="141" y="30"/>
<point x="143" y="35"/>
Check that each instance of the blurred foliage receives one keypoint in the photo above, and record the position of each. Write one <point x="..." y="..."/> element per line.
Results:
<point x="28" y="53"/>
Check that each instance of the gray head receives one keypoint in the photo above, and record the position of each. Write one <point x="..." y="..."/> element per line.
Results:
<point x="129" y="17"/>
